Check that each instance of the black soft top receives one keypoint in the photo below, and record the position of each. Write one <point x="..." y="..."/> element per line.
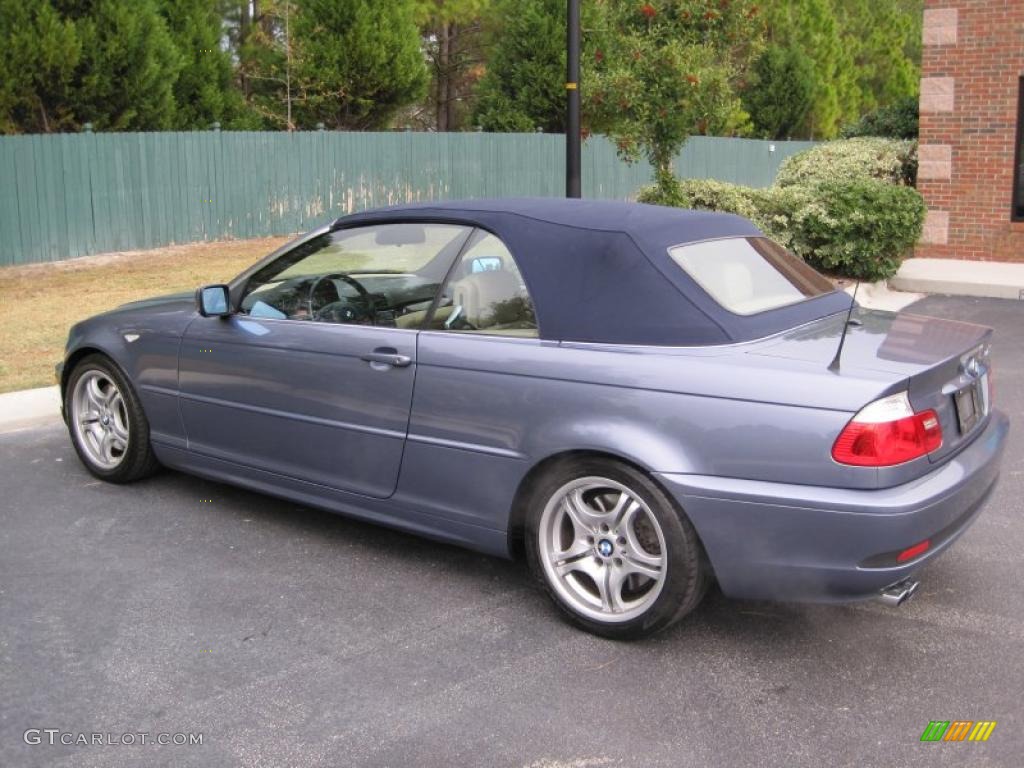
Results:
<point x="599" y="270"/>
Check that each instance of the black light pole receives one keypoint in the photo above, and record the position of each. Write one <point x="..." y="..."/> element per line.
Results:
<point x="572" y="101"/>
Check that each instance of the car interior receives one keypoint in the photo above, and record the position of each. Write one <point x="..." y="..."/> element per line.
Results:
<point x="483" y="293"/>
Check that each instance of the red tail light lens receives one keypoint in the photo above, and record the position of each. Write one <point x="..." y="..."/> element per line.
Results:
<point x="888" y="432"/>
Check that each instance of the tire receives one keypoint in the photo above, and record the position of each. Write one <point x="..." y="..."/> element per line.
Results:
<point x="640" y="573"/>
<point x="106" y="422"/>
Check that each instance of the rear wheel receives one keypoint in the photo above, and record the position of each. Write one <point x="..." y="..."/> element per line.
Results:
<point x="613" y="551"/>
<point x="107" y="425"/>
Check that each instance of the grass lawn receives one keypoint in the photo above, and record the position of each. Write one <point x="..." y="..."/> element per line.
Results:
<point x="39" y="302"/>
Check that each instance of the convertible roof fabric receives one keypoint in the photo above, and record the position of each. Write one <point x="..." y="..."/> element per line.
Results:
<point x="599" y="270"/>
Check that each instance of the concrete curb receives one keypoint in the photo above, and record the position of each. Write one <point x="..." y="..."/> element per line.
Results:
<point x="880" y="296"/>
<point x="989" y="279"/>
<point x="29" y="408"/>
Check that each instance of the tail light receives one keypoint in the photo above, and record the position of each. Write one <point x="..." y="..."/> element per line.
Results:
<point x="888" y="432"/>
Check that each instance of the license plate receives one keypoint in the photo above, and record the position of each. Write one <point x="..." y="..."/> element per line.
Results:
<point x="968" y="407"/>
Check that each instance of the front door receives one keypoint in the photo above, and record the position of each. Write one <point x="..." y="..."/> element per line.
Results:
<point x="313" y="377"/>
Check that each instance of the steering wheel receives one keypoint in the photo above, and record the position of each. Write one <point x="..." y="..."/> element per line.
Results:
<point x="364" y="295"/>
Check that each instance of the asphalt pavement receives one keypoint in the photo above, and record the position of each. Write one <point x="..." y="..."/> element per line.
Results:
<point x="284" y="636"/>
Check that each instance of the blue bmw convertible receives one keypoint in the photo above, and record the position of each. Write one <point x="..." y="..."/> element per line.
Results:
<point x="641" y="400"/>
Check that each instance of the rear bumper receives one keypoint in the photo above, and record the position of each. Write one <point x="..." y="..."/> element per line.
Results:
<point x="797" y="542"/>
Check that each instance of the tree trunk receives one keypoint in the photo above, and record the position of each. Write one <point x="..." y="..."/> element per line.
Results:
<point x="244" y="29"/>
<point x="452" y="91"/>
<point x="443" y="76"/>
<point x="664" y="175"/>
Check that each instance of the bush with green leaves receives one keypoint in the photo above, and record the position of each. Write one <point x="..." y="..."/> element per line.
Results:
<point x="859" y="228"/>
<point x="888" y="160"/>
<point x="704" y="194"/>
<point x="895" y="121"/>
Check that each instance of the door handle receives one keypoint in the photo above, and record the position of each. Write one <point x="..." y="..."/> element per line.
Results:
<point x="387" y="356"/>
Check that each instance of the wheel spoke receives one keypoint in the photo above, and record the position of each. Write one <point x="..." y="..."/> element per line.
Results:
<point x="119" y="428"/>
<point x="584" y="519"/>
<point x="625" y="512"/>
<point x="585" y="565"/>
<point x="636" y="552"/>
<point x="89" y="417"/>
<point x="93" y="435"/>
<point x="604" y="590"/>
<point x="107" y="447"/>
<point x="617" y="576"/>
<point x="95" y="394"/>
<point x="632" y="564"/>
<point x="567" y="560"/>
<point x="615" y="513"/>
<point x="566" y="565"/>
<point x="598" y="574"/>
<point x="574" y="550"/>
<point x="609" y="583"/>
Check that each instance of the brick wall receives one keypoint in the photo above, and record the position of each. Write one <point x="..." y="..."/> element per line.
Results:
<point x="973" y="57"/>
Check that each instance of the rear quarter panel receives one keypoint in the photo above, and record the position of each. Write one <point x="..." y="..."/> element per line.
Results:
<point x="487" y="408"/>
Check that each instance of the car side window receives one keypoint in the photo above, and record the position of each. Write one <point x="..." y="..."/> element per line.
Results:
<point x="384" y="274"/>
<point x="486" y="293"/>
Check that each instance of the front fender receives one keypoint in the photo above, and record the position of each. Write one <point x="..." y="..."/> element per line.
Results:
<point x="143" y="341"/>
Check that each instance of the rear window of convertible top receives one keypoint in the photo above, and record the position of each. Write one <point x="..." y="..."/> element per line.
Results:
<point x="747" y="275"/>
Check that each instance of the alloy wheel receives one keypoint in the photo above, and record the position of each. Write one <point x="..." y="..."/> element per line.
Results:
<point x="100" y="419"/>
<point x="602" y="549"/>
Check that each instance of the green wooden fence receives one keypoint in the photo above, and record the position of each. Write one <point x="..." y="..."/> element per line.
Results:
<point x="71" y="195"/>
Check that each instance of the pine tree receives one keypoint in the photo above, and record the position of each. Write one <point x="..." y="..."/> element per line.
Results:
<point x="812" y="27"/>
<point x="354" y="63"/>
<point x="452" y="39"/>
<point x="883" y="39"/>
<point x="129" y="64"/>
<point x="38" y="59"/>
<point x="524" y="86"/>
<point x="68" y="62"/>
<point x="780" y="91"/>
<point x="865" y="54"/>
<point x="259" y="32"/>
<point x="204" y="91"/>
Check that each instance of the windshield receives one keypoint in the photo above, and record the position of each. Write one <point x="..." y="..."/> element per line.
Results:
<point x="747" y="275"/>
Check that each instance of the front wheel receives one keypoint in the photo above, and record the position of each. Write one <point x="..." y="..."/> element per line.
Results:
<point x="612" y="550"/>
<point x="107" y="424"/>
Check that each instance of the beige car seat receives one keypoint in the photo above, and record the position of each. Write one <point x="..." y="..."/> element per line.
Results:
<point x="477" y="292"/>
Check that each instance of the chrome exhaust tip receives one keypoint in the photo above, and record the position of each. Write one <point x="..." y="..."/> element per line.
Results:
<point x="898" y="593"/>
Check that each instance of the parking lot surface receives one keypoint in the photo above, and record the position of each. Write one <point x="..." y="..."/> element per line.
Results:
<point x="293" y="637"/>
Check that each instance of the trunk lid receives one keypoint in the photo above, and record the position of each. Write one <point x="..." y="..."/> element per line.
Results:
<point x="945" y="363"/>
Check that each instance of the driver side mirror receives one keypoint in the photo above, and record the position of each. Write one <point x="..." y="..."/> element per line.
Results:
<point x="213" y="301"/>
